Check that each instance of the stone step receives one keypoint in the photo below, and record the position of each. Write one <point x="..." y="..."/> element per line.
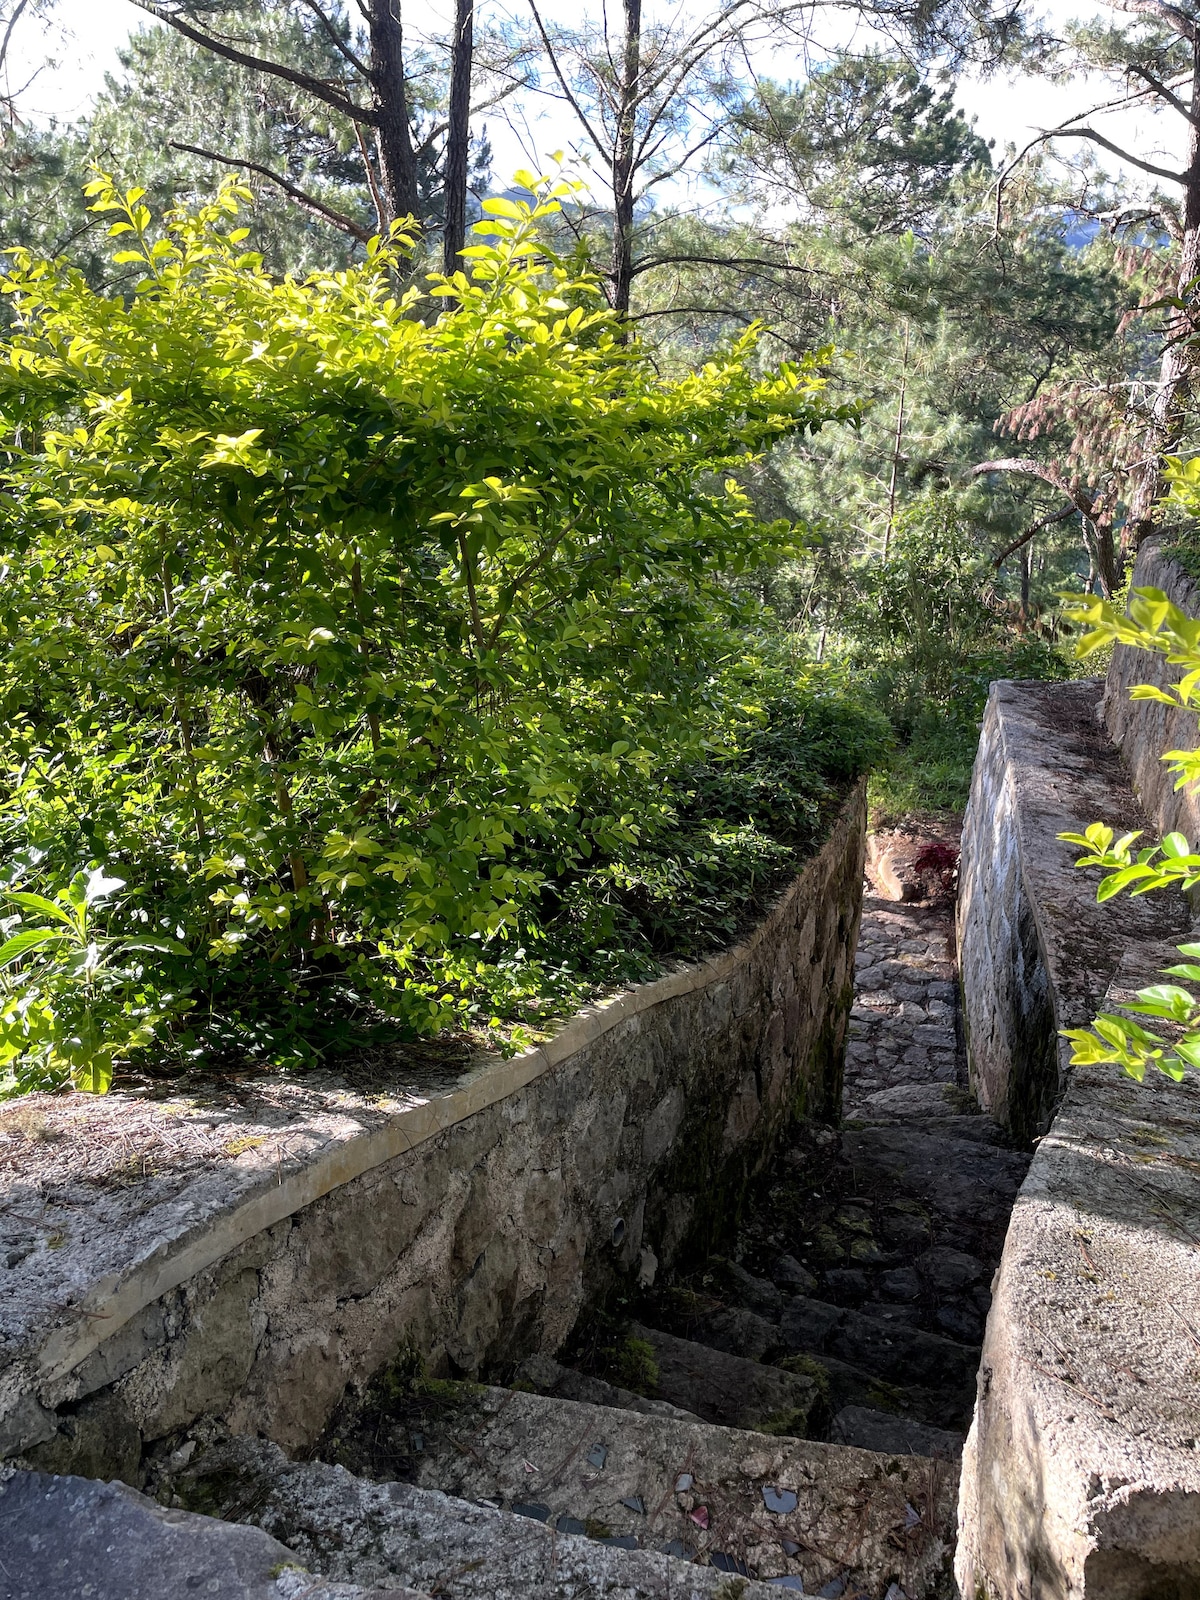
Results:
<point x="733" y="1392"/>
<point x="907" y="1100"/>
<point x="67" y="1538"/>
<point x="978" y="1129"/>
<point x="889" y="1350"/>
<point x="961" y="1178"/>
<point x="876" y="1346"/>
<point x="942" y="1409"/>
<point x="884" y="1431"/>
<point x="941" y="1289"/>
<point x="387" y="1533"/>
<point x="735" y="1329"/>
<point x="741" y="1502"/>
<point x="838" y="1384"/>
<point x="973" y="1126"/>
<point x="545" y="1375"/>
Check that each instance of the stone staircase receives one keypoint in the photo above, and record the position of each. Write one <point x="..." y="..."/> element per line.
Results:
<point x="852" y="1303"/>
<point x="788" y="1417"/>
<point x="790" y="1413"/>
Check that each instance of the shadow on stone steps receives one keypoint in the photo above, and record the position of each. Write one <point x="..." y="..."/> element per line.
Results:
<point x="744" y="1503"/>
<point x="733" y="1392"/>
<point x="859" y="1359"/>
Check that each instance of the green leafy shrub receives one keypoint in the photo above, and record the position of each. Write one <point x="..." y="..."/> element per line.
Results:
<point x="75" y="999"/>
<point x="1152" y="623"/>
<point x="728" y="829"/>
<point x="358" y="631"/>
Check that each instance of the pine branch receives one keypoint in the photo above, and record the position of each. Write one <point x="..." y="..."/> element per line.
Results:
<point x="1172" y="16"/>
<point x="307" y="201"/>
<point x="1080" y="500"/>
<point x="336" y="39"/>
<point x="317" y="87"/>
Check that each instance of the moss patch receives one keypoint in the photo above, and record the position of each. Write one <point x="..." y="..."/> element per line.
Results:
<point x="634" y="1366"/>
<point x="809" y="1367"/>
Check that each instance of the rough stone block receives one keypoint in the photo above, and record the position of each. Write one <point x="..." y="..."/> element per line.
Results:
<point x="76" y="1539"/>
<point x="1081" y="1476"/>
<point x="1081" y="1473"/>
<point x="770" y="1508"/>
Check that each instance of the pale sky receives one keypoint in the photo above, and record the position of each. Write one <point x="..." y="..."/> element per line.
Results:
<point x="1005" y="109"/>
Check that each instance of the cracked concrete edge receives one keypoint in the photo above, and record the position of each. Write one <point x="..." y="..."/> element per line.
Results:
<point x="111" y="1302"/>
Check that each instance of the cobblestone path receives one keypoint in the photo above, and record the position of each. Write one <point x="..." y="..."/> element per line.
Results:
<point x="904" y="1025"/>
<point x="866" y="1258"/>
<point x="848" y="1307"/>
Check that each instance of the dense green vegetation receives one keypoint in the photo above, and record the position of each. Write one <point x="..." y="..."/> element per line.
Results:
<point x="1150" y="622"/>
<point x="389" y="652"/>
<point x="396" y="666"/>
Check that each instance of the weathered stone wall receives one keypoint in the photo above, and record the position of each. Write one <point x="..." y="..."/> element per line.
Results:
<point x="1081" y="1474"/>
<point x="480" y="1245"/>
<point x="1036" y="952"/>
<point x="1144" y="729"/>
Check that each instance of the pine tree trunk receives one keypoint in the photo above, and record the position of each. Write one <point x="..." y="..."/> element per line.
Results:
<point x="624" y="158"/>
<point x="1025" y="565"/>
<point x="1106" y="561"/>
<point x="458" y="134"/>
<point x="1177" y="371"/>
<point x="397" y="164"/>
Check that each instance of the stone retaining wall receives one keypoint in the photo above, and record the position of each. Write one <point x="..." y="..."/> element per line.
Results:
<point x="1035" y="950"/>
<point x="1144" y="729"/>
<point x="473" y="1226"/>
<point x="1081" y="1474"/>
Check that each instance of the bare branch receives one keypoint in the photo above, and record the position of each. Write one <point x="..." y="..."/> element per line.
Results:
<point x="558" y="73"/>
<point x="1080" y="500"/>
<point x="694" y="311"/>
<point x="317" y="87"/>
<point x="725" y="26"/>
<point x="724" y="261"/>
<point x="1034" y="528"/>
<point x="8" y="32"/>
<point x="376" y="198"/>
<point x="1067" y="128"/>
<point x="1115" y="149"/>
<point x="670" y="172"/>
<point x="437" y="129"/>
<point x="338" y="42"/>
<point x="798" y="347"/>
<point x="300" y="196"/>
<point x="1164" y="92"/>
